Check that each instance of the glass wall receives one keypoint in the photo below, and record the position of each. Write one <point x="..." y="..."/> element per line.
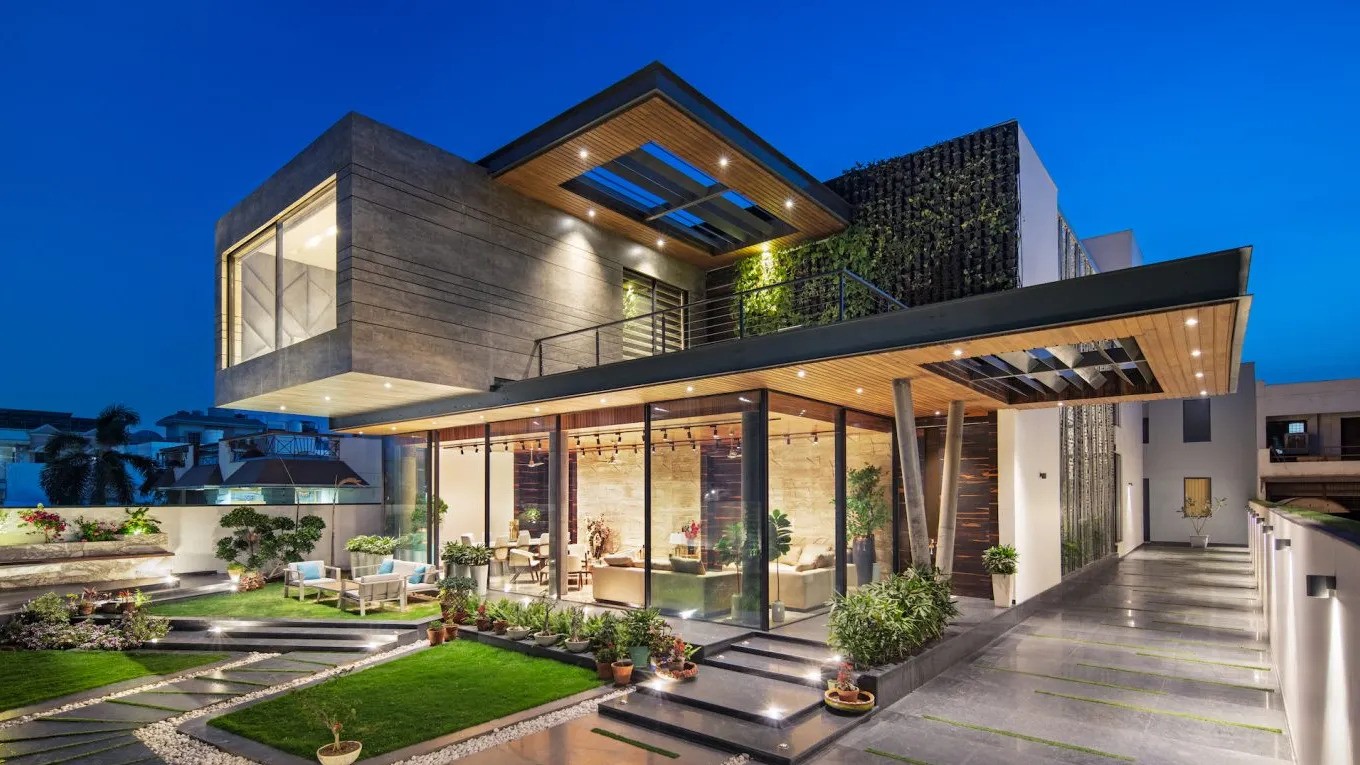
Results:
<point x="870" y="491"/>
<point x="522" y="512"/>
<point x="605" y="507"/>
<point x="461" y="476"/>
<point x="802" y="478"/>
<point x="406" y="485"/>
<point x="282" y="284"/>
<point x="708" y="519"/>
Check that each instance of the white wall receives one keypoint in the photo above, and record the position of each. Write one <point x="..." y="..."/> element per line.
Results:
<point x="1128" y="444"/>
<point x="1312" y="640"/>
<point x="1028" y="506"/>
<point x="1040" y="250"/>
<point x="1228" y="460"/>
<point x="503" y="493"/>
<point x="1112" y="252"/>
<point x="194" y="529"/>
<point x="462" y="484"/>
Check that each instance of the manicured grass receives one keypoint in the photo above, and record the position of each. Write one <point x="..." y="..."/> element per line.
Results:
<point x="268" y="602"/>
<point x="28" y="677"/>
<point x="428" y="694"/>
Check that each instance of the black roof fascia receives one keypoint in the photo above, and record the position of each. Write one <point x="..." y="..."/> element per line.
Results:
<point x="657" y="79"/>
<point x="1168" y="285"/>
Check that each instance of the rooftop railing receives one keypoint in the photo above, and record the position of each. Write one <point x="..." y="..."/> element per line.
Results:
<point x="826" y="298"/>
<point x="289" y="444"/>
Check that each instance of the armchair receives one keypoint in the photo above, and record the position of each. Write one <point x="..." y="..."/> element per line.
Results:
<point x="308" y="573"/>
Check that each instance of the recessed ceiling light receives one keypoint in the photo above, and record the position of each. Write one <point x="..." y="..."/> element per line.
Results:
<point x="535" y="409"/>
<point x="788" y="204"/>
<point x="591" y="212"/>
<point x="1199" y="375"/>
<point x="328" y="398"/>
<point x="859" y="390"/>
<point x="282" y="408"/>
<point x="1204" y="393"/>
<point x="958" y="352"/>
<point x="722" y="161"/>
<point x="802" y="373"/>
<point x="583" y="154"/>
<point x="937" y="412"/>
<point x="481" y="417"/>
<point x="661" y="243"/>
<point x="1061" y="404"/>
<point x="689" y="388"/>
<point x="1192" y="321"/>
<point x="1195" y="353"/>
<point x="387" y="385"/>
<point x="603" y="400"/>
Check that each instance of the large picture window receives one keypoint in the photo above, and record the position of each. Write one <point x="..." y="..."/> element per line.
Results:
<point x="281" y="284"/>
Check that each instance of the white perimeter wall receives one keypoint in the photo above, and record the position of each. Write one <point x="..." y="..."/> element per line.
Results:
<point x="1128" y="444"/>
<point x="1040" y="250"/>
<point x="194" y="529"/>
<point x="1028" y="512"/>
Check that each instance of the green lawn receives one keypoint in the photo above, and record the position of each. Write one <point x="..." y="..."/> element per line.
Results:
<point x="268" y="601"/>
<point x="27" y="677"/>
<point x="412" y="699"/>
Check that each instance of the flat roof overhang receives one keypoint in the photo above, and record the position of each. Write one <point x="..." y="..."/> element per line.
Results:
<point x="1185" y="318"/>
<point x="626" y="130"/>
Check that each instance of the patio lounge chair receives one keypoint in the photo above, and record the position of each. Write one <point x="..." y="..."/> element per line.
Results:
<point x="374" y="588"/>
<point x="308" y="573"/>
<point x="426" y="576"/>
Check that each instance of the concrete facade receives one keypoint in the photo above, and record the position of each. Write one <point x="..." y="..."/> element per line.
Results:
<point x="444" y="276"/>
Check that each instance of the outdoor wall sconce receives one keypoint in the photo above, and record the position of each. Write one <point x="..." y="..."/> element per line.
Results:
<point x="1320" y="586"/>
<point x="1281" y="544"/>
<point x="1266" y="528"/>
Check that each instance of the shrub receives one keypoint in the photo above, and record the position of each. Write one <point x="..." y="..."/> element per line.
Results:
<point x="258" y="541"/>
<point x="1000" y="559"/>
<point x="373" y="545"/>
<point x="44" y="522"/>
<point x="95" y="531"/>
<point x="44" y="623"/>
<point x="454" y="553"/>
<point x="139" y="522"/>
<point x="884" y="622"/>
<point x="644" y="627"/>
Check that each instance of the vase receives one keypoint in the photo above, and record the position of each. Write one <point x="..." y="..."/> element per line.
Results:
<point x="862" y="553"/>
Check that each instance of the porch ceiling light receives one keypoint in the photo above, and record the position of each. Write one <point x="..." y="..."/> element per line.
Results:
<point x="722" y="161"/>
<point x="802" y="373"/>
<point x="1321" y="586"/>
<point x="958" y="352"/>
<point x="1199" y="375"/>
<point x="689" y="388"/>
<point x="387" y="385"/>
<point x="583" y="154"/>
<point x="1204" y="393"/>
<point x="1192" y="321"/>
<point x="1195" y="353"/>
<point x="859" y="390"/>
<point x="591" y="212"/>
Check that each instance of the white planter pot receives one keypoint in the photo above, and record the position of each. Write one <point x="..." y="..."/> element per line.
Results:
<point x="460" y="569"/>
<point x="339" y="759"/>
<point x="777" y="612"/>
<point x="479" y="575"/>
<point x="365" y="563"/>
<point x="1003" y="589"/>
<point x="1199" y="540"/>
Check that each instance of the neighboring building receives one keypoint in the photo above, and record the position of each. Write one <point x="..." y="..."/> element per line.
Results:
<point x="1308" y="441"/>
<point x="642" y="315"/>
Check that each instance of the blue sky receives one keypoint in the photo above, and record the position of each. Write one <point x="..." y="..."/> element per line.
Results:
<point x="129" y="128"/>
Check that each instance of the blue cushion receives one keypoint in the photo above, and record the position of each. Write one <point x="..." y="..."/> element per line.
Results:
<point x="418" y="576"/>
<point x="310" y="569"/>
<point x="385" y="567"/>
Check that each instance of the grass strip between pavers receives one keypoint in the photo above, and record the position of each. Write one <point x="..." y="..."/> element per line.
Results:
<point x="1170" y="676"/>
<point x="634" y="742"/>
<point x="1082" y="640"/>
<point x="1167" y="712"/>
<point x="1067" y="679"/>
<point x="1027" y="737"/>
<point x="898" y="757"/>
<point x="1176" y="657"/>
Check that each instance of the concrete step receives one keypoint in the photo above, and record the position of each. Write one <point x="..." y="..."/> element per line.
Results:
<point x="788" y="670"/>
<point x="779" y="745"/>
<point x="757" y="699"/>
<point x="790" y="649"/>
<point x="207" y="641"/>
<point x="227" y="629"/>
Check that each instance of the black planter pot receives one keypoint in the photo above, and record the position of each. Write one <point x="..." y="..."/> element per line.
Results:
<point x="862" y="555"/>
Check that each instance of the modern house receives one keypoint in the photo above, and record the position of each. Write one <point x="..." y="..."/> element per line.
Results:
<point x="616" y="346"/>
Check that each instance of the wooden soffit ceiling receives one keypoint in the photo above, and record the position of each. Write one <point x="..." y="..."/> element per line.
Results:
<point x="654" y="108"/>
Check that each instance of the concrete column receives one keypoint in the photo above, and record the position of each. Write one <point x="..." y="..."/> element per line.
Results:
<point x="558" y="476"/>
<point x="949" y="489"/>
<point x="918" y="535"/>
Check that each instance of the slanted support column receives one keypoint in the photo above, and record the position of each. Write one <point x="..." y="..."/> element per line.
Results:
<point x="918" y="535"/>
<point x="949" y="489"/>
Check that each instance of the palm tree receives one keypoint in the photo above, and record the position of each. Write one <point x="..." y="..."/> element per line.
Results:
<point x="78" y="471"/>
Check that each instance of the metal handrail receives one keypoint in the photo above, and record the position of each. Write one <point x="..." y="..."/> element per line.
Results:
<point x="739" y="299"/>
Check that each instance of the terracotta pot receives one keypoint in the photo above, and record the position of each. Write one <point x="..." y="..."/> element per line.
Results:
<point x="85" y="607"/>
<point x="623" y="672"/>
<point x="483" y="624"/>
<point x="450" y="631"/>
<point x="685" y="671"/>
<point x="436" y="636"/>
<point x="850" y="696"/>
<point x="500" y="626"/>
<point x="348" y="753"/>
<point x="604" y="669"/>
<point x="127" y="607"/>
<point x="108" y="607"/>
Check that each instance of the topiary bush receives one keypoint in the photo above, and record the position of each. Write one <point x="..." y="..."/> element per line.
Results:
<point x="265" y="543"/>
<point x="885" y="622"/>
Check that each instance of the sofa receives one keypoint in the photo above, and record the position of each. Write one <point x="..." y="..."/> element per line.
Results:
<point x="807" y="589"/>
<point x="708" y="594"/>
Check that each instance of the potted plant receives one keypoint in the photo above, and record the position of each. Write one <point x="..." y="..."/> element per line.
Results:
<point x="234" y="571"/>
<point x="499" y="624"/>
<point x="1198" y="512"/>
<point x="89" y="598"/>
<point x="450" y="630"/>
<point x="436" y="632"/>
<point x="126" y="603"/>
<point x="1000" y="562"/>
<point x="645" y="632"/>
<point x="338" y="752"/>
<point x="454" y="556"/>
<point x="622" y="670"/>
<point x="843" y="687"/>
<point x="547" y="636"/>
<point x="366" y="552"/>
<point x="455" y="592"/>
<point x="599" y="537"/>
<point x="483" y="618"/>
<point x="602" y="632"/>
<point x="518" y="616"/>
<point x="866" y="511"/>
<point x="478" y="559"/>
<point x="576" y="640"/>
<point x="691" y="532"/>
<point x="677" y="664"/>
<point x="780" y="530"/>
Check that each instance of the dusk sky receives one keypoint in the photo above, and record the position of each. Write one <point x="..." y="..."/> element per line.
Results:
<point x="129" y="129"/>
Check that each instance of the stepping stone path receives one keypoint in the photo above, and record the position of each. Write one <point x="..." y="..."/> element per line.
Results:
<point x="103" y="733"/>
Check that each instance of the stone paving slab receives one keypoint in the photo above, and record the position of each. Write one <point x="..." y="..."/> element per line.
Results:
<point x="257" y="678"/>
<point x="8" y="751"/>
<point x="116" y="749"/>
<point x="575" y="742"/>
<point x="113" y="712"/>
<point x="199" y="685"/>
<point x="178" y="702"/>
<point x="333" y="659"/>
<point x="283" y="664"/>
<point x="46" y="729"/>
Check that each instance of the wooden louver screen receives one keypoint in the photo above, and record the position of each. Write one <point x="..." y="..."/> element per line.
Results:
<point x="652" y="333"/>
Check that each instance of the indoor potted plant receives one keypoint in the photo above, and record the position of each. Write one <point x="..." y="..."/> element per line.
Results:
<point x="1198" y="512"/>
<point x="455" y="556"/>
<point x="546" y="635"/>
<point x="435" y="629"/>
<point x="478" y="559"/>
<point x="677" y="664"/>
<point x="1000" y="562"/>
<point x="780" y="530"/>
<point x="576" y="641"/>
<point x="866" y="511"/>
<point x="338" y="752"/>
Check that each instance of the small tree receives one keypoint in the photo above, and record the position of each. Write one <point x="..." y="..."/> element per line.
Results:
<point x="265" y="543"/>
<point x="866" y="510"/>
<point x="1198" y="512"/>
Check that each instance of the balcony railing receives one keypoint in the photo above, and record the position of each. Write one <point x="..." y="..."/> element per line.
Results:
<point x="310" y="445"/>
<point x="1317" y="454"/>
<point x="826" y="298"/>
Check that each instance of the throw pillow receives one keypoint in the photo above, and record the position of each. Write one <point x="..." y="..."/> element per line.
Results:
<point x="621" y="560"/>
<point x="386" y="566"/>
<point x="687" y="565"/>
<point x="790" y="558"/>
<point x="417" y="575"/>
<point x="310" y="569"/>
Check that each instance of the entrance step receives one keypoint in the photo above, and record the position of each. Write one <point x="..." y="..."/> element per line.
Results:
<point x="324" y="640"/>
<point x="207" y="641"/>
<point x="753" y="698"/>
<point x="788" y="670"/>
<point x="791" y="649"/>
<point x="789" y="745"/>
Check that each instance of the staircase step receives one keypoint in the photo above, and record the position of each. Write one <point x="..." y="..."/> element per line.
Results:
<point x="788" y="670"/>
<point x="274" y="631"/>
<point x="782" y="746"/>
<point x="785" y="648"/>
<point x="762" y="700"/>
<point x="201" y="641"/>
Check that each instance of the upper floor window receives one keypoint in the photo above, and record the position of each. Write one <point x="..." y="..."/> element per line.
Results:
<point x="1195" y="413"/>
<point x="281" y="284"/>
<point x="651" y="332"/>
